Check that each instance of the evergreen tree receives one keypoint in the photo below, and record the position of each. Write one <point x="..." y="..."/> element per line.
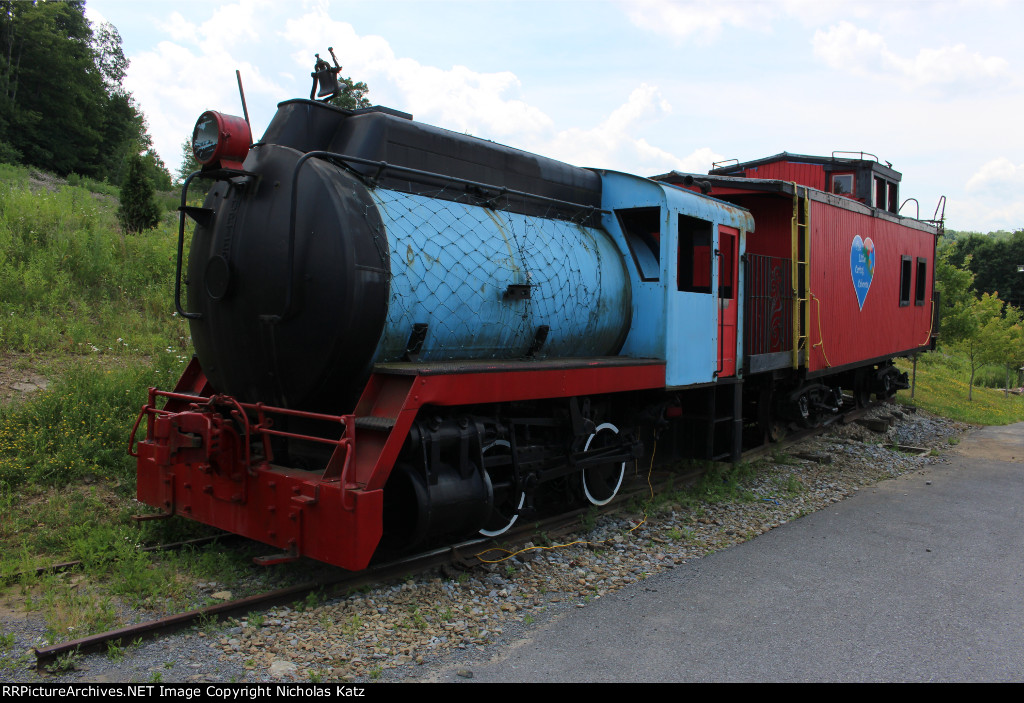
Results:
<point x="156" y="170"/>
<point x="138" y="211"/>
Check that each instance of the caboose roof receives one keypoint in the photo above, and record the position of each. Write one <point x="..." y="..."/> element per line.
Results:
<point x="836" y="162"/>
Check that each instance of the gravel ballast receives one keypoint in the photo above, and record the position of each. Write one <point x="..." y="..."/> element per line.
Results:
<point x="408" y="630"/>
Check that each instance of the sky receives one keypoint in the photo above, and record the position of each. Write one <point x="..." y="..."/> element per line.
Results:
<point x="936" y="87"/>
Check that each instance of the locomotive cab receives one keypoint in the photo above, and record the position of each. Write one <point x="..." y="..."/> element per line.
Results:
<point x="683" y="251"/>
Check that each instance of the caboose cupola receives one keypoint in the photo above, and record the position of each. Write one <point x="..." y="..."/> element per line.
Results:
<point x="857" y="175"/>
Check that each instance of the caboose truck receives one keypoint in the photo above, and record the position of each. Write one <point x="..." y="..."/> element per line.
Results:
<point x="406" y="335"/>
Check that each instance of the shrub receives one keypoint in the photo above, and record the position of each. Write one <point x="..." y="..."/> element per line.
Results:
<point x="138" y="210"/>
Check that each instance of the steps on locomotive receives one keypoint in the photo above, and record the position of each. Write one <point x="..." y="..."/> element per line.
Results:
<point x="712" y="429"/>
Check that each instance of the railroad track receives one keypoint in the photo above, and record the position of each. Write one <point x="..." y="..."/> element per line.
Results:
<point x="465" y="555"/>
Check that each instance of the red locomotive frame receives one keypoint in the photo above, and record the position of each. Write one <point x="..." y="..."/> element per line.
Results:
<point x="192" y="462"/>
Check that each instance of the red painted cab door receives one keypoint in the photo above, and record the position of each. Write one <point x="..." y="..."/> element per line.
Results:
<point x="728" y="306"/>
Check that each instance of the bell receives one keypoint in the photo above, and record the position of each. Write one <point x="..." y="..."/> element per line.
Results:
<point x="328" y="80"/>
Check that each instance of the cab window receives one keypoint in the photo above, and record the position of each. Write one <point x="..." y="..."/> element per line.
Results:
<point x="642" y="227"/>
<point x="694" y="271"/>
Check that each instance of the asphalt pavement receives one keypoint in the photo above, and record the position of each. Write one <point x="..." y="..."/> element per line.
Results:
<point x="919" y="578"/>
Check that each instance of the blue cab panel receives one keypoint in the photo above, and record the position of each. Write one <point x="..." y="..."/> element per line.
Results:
<point x="669" y="238"/>
<point x="484" y="282"/>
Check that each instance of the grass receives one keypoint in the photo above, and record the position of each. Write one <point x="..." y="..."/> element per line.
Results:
<point x="72" y="283"/>
<point x="90" y="309"/>
<point x="941" y="389"/>
<point x="722" y="483"/>
<point x="77" y="429"/>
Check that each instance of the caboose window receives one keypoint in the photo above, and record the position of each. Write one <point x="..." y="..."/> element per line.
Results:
<point x="922" y="279"/>
<point x="694" y="273"/>
<point x="905" y="272"/>
<point x="642" y="227"/>
<point x="842" y="183"/>
<point x="880" y="191"/>
<point x="894" y="199"/>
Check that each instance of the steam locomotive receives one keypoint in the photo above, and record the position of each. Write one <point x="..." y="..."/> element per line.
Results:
<point x="406" y="335"/>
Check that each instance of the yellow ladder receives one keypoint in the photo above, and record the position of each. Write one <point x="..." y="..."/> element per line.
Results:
<point x="801" y="250"/>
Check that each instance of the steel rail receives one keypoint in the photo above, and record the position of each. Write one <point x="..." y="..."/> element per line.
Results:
<point x="465" y="555"/>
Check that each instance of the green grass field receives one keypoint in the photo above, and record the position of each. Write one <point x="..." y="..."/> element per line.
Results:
<point x="941" y="389"/>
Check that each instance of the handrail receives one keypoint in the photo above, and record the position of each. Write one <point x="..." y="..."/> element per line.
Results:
<point x="240" y="409"/>
<point x="181" y="249"/>
<point x="917" y="216"/>
<point x="862" y="154"/>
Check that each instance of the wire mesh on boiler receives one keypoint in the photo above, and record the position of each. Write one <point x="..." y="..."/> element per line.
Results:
<point x="488" y="279"/>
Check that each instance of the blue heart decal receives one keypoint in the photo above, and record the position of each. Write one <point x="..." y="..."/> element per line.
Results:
<point x="862" y="267"/>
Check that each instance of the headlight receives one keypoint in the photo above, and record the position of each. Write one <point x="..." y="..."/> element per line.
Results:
<point x="220" y="141"/>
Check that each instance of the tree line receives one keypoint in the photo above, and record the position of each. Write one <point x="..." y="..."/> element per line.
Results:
<point x="980" y="293"/>
<point x="63" y="107"/>
<point x="993" y="258"/>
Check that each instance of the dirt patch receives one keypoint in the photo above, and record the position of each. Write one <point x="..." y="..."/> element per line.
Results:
<point x="1002" y="443"/>
<point x="38" y="180"/>
<point x="20" y="377"/>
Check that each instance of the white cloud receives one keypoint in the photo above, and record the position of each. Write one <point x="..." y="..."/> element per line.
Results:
<point x="174" y="84"/>
<point x="614" y="143"/>
<point x="175" y="81"/>
<point x="861" y="52"/>
<point x="999" y="177"/>
<point x="702" y="19"/>
<point x="984" y="215"/>
<point x="457" y="98"/>
<point x="94" y="16"/>
<point x="991" y="198"/>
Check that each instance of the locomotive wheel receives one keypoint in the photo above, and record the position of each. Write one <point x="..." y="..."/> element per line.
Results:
<point x="507" y="503"/>
<point x="601" y="483"/>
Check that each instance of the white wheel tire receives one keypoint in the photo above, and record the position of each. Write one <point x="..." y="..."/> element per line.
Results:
<point x="622" y="468"/>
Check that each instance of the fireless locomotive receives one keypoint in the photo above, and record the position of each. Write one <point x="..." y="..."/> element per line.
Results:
<point x="404" y="334"/>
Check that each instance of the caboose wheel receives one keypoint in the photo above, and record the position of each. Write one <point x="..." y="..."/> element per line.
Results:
<point x="888" y="388"/>
<point x="861" y="389"/>
<point x="507" y="501"/>
<point x="809" y="415"/>
<point x="601" y="483"/>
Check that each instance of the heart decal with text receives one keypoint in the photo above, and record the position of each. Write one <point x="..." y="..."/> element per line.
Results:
<point x="862" y="267"/>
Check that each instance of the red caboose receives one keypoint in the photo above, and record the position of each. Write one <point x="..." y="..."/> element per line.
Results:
<point x="837" y="283"/>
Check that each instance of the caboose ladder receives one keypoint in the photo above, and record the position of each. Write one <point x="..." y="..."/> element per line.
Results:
<point x="801" y="249"/>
